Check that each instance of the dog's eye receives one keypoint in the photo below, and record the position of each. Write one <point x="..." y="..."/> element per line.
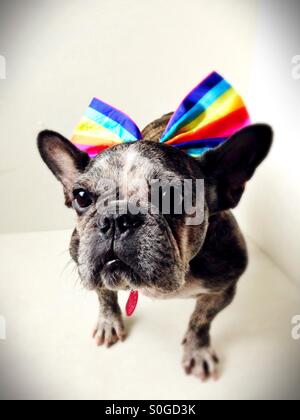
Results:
<point x="82" y="198"/>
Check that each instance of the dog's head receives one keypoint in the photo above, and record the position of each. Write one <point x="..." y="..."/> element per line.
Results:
<point x="141" y="214"/>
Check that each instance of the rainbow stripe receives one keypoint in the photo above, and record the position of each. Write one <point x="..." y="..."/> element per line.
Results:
<point x="208" y="116"/>
<point x="103" y="126"/>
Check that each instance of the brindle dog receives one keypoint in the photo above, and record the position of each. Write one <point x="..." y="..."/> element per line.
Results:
<point x="158" y="254"/>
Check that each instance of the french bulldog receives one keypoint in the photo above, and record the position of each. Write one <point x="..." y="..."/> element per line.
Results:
<point x="157" y="254"/>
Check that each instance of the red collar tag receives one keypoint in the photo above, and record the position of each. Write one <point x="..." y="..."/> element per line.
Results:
<point x="132" y="302"/>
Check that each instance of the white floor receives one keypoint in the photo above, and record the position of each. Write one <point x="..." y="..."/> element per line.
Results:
<point x="49" y="353"/>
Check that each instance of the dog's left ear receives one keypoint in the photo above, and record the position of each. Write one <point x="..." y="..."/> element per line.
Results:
<point x="228" y="167"/>
<point x="64" y="160"/>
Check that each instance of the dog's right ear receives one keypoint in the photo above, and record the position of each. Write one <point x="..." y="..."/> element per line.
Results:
<point x="232" y="164"/>
<point x="63" y="159"/>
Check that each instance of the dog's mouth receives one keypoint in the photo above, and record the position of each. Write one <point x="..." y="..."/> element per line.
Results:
<point x="112" y="262"/>
<point x="118" y="274"/>
<point x="113" y="265"/>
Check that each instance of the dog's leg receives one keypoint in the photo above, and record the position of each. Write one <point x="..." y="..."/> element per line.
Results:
<point x="199" y="358"/>
<point x="110" y="327"/>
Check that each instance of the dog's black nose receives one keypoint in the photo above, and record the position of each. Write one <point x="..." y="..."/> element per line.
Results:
<point x="118" y="224"/>
<point x="127" y="222"/>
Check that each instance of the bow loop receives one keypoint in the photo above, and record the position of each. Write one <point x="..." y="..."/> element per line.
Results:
<point x="103" y="126"/>
<point x="210" y="114"/>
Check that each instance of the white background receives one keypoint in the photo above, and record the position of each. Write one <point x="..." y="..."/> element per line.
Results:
<point x="143" y="57"/>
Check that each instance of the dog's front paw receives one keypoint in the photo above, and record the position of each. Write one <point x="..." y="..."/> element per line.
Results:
<point x="109" y="330"/>
<point x="199" y="361"/>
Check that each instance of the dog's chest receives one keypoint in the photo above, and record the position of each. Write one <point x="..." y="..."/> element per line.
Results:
<point x="191" y="289"/>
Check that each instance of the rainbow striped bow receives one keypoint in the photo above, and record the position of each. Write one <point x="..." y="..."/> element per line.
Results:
<point x="210" y="114"/>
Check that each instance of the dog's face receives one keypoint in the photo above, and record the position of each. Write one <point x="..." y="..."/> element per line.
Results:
<point x="124" y="242"/>
<point x="137" y="227"/>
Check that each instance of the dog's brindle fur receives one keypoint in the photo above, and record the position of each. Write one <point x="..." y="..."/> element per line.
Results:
<point x="213" y="257"/>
